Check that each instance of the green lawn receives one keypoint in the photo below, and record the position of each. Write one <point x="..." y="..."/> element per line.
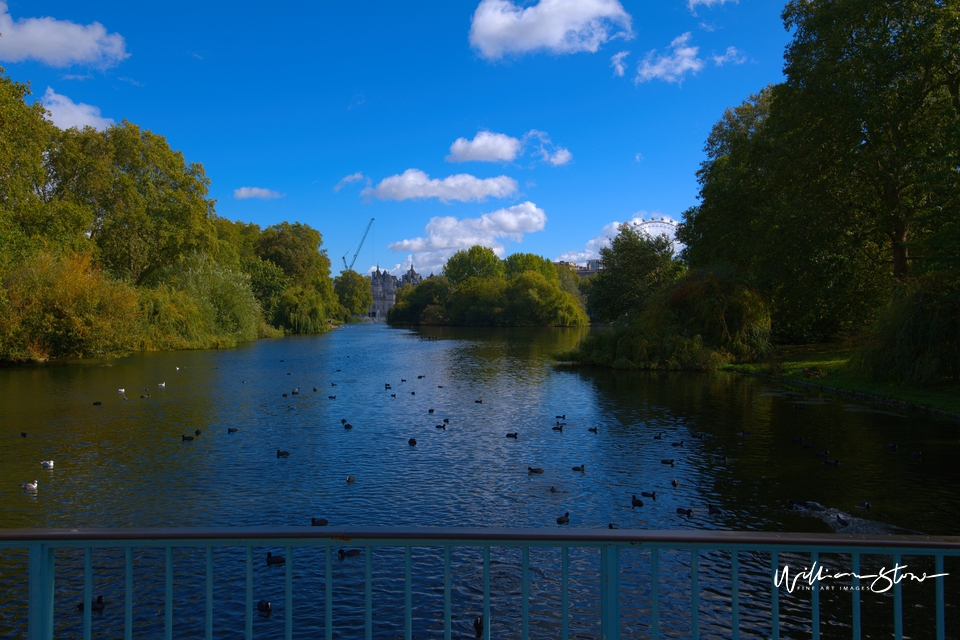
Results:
<point x="832" y="359"/>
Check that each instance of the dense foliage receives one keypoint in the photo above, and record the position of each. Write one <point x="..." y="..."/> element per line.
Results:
<point x="479" y="290"/>
<point x="109" y="243"/>
<point x="835" y="194"/>
<point x="354" y="291"/>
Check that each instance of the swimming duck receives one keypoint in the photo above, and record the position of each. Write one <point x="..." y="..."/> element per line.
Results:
<point x="96" y="605"/>
<point x="348" y="553"/>
<point x="558" y="428"/>
<point x="515" y="435"/>
<point x="264" y="607"/>
<point x="318" y="522"/>
<point x="744" y="433"/>
<point x="231" y="430"/>
<point x="272" y="559"/>
<point x="29" y="486"/>
<point x="121" y="390"/>
<point x="393" y="395"/>
<point x="46" y="464"/>
<point x="348" y="426"/>
<point x="592" y="429"/>
<point x="563" y="417"/>
<point x="659" y="436"/>
<point x="186" y="438"/>
<point x="283" y="454"/>
<point x="351" y="479"/>
<point x="564" y="519"/>
<point x="823" y="454"/>
<point x="892" y="447"/>
<point x="554" y="490"/>
<point x="649" y="494"/>
<point x="23" y="434"/>
<point x="430" y="411"/>
<point x="719" y="458"/>
<point x="421" y="377"/>
<point x="685" y="512"/>
<point x="197" y="432"/>
<point x="864" y="505"/>
<point x="164" y="384"/>
<point x="582" y="468"/>
<point x="797" y="440"/>
<point x="413" y="393"/>
<point x="331" y="397"/>
<point x="612" y="526"/>
<point x="534" y="470"/>
<point x="668" y="461"/>
<point x="714" y="511"/>
<point x="97" y="403"/>
<point x="441" y="426"/>
<point x="676" y="444"/>
<point x="412" y="442"/>
<point x="636" y="502"/>
<point x="832" y="463"/>
<point x="675" y="482"/>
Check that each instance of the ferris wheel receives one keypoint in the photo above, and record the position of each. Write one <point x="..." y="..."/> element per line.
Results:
<point x="657" y="226"/>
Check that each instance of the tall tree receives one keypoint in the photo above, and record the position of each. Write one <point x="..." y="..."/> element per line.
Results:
<point x="873" y="99"/>
<point x="354" y="291"/>
<point x="148" y="205"/>
<point x="477" y="261"/>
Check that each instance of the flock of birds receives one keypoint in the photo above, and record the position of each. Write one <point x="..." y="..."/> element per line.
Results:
<point x="265" y="607"/>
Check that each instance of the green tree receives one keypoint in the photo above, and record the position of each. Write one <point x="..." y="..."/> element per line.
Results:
<point x="147" y="205"/>
<point x="477" y="261"/>
<point x="531" y="300"/>
<point x="354" y="291"/>
<point x="518" y="263"/>
<point x="295" y="248"/>
<point x="632" y="268"/>
<point x="872" y="102"/>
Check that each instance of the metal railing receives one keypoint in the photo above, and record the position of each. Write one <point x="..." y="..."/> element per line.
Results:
<point x="42" y="545"/>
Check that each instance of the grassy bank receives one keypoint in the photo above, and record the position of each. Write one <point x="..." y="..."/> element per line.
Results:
<point x="825" y="365"/>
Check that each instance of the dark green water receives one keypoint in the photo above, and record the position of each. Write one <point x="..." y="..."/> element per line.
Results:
<point x="123" y="463"/>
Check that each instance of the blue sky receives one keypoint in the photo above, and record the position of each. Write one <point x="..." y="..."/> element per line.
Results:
<point x="523" y="126"/>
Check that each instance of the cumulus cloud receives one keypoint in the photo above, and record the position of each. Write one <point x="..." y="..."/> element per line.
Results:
<point x="486" y="146"/>
<point x="244" y="193"/>
<point x="59" y="43"/>
<point x="414" y="184"/>
<point x="591" y="250"/>
<point x="616" y="61"/>
<point x="353" y="177"/>
<point x="447" y="235"/>
<point x="500" y="27"/>
<point x="693" y="4"/>
<point x="732" y="54"/>
<point x="65" y="113"/>
<point x="673" y="66"/>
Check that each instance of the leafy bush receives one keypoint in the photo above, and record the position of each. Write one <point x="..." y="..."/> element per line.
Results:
<point x="302" y="310"/>
<point x="63" y="307"/>
<point x="917" y="338"/>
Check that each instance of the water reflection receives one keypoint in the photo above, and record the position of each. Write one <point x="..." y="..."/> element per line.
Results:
<point x="123" y="463"/>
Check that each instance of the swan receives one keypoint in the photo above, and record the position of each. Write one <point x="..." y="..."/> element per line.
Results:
<point x="29" y="486"/>
<point x="46" y="464"/>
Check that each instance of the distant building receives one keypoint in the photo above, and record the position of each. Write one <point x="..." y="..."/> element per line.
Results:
<point x="384" y="287"/>
<point x="592" y="267"/>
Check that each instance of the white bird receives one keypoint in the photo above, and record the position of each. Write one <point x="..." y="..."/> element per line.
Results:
<point x="162" y="384"/>
<point x="46" y="464"/>
<point x="121" y="390"/>
<point x="29" y="486"/>
<point x="178" y="368"/>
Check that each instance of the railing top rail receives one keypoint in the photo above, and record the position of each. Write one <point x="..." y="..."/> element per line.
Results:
<point x="639" y="537"/>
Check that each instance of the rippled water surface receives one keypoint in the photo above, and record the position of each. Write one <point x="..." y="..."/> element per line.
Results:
<point x="122" y="463"/>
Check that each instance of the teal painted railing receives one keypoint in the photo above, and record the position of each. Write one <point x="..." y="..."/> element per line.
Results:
<point x="42" y="545"/>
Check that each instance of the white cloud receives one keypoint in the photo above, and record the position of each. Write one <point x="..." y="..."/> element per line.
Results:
<point x="693" y="4"/>
<point x="500" y="27"/>
<point x="547" y="151"/>
<point x="592" y="249"/>
<point x="243" y="193"/>
<point x="353" y="177"/>
<point x="66" y="113"/>
<point x="732" y="54"/>
<point x="672" y="67"/>
<point x="447" y="235"/>
<point x="616" y="61"/>
<point x="486" y="146"/>
<point x="415" y="184"/>
<point x="58" y="43"/>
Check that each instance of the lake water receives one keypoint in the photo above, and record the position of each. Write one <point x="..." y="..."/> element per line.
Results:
<point x="123" y="463"/>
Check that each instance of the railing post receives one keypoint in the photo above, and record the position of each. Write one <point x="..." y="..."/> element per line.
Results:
<point x="610" y="592"/>
<point x="40" y="610"/>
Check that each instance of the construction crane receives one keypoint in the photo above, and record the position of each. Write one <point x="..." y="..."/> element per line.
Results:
<point x="362" y="238"/>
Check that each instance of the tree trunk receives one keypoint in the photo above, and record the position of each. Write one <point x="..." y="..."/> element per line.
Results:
<point x="898" y="239"/>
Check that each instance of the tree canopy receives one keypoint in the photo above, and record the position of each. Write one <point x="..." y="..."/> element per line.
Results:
<point x="477" y="261"/>
<point x="354" y="291"/>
